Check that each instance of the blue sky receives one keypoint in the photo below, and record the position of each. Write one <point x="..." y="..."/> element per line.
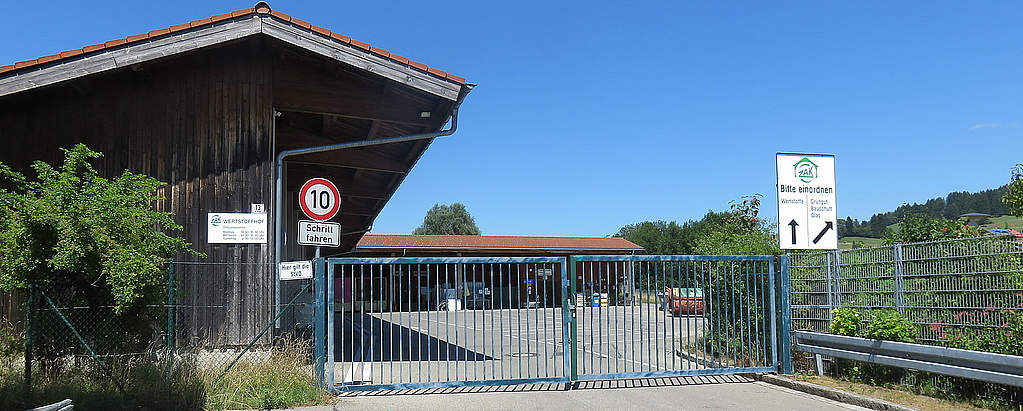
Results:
<point x="593" y="115"/>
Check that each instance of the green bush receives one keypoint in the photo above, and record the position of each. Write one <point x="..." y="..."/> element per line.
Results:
<point x="846" y="321"/>
<point x="891" y="326"/>
<point x="1006" y="339"/>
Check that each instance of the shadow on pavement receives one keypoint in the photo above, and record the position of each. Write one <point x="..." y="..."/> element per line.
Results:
<point x="364" y="338"/>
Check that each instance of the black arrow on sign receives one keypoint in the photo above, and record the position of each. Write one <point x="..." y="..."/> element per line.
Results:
<point x="827" y="226"/>
<point x="793" y="224"/>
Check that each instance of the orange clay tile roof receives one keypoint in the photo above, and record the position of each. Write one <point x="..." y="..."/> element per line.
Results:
<point x="494" y="242"/>
<point x="261" y="8"/>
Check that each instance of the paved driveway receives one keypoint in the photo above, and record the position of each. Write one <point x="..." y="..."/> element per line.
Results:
<point x="680" y="393"/>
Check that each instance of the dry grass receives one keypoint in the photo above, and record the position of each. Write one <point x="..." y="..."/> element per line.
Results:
<point x="899" y="397"/>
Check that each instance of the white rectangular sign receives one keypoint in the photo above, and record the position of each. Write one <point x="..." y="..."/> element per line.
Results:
<point x="295" y="270"/>
<point x="807" y="214"/>
<point x="319" y="233"/>
<point x="236" y="228"/>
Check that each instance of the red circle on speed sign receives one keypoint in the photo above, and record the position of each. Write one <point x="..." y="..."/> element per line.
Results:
<point x="320" y="199"/>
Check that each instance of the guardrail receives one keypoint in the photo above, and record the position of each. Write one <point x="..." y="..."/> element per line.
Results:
<point x="58" y="406"/>
<point x="977" y="365"/>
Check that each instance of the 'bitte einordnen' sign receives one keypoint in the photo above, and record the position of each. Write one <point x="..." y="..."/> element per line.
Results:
<point x="807" y="213"/>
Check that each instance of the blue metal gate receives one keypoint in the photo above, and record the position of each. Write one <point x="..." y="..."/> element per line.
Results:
<point x="664" y="315"/>
<point x="404" y="323"/>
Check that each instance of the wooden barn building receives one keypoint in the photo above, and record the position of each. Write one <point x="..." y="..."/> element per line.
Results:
<point x="210" y="107"/>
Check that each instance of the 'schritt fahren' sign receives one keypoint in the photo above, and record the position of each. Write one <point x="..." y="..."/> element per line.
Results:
<point x="320" y="200"/>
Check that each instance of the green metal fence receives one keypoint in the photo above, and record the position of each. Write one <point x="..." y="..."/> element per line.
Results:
<point x="972" y="285"/>
<point x="411" y="323"/>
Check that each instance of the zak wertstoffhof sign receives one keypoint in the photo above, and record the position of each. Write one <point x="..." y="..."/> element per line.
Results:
<point x="807" y="215"/>
<point x="236" y="228"/>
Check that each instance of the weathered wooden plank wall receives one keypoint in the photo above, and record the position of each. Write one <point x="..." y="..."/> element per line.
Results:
<point x="201" y="123"/>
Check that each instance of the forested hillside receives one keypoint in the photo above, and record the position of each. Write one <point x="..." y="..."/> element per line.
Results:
<point x="951" y="207"/>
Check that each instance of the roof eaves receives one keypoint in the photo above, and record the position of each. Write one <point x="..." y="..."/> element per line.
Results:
<point x="130" y="42"/>
<point x="362" y="55"/>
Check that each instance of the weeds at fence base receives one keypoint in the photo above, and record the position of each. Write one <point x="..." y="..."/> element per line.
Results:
<point x="716" y="352"/>
<point x="977" y="393"/>
<point x="277" y="377"/>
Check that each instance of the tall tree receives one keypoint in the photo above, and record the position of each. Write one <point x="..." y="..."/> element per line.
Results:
<point x="737" y="231"/>
<point x="660" y="237"/>
<point x="915" y="228"/>
<point x="742" y="232"/>
<point x="1013" y="197"/>
<point x="451" y="219"/>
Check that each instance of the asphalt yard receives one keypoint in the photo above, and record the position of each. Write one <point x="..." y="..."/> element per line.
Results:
<point x="526" y="344"/>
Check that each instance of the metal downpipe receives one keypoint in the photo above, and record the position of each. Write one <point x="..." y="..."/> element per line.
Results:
<point x="279" y="172"/>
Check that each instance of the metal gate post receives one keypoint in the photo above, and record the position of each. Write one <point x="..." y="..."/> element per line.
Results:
<point x="569" y="285"/>
<point x="319" y="322"/>
<point x="784" y="324"/>
<point x="329" y="306"/>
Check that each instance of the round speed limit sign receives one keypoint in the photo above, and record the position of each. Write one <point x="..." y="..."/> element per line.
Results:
<point x="320" y="199"/>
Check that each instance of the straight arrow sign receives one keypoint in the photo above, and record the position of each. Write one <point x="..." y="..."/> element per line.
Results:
<point x="827" y="226"/>
<point x="806" y="202"/>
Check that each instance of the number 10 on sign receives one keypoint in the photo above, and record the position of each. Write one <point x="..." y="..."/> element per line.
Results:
<point x="320" y="199"/>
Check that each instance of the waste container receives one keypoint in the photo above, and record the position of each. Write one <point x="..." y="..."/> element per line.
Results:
<point x="595" y="300"/>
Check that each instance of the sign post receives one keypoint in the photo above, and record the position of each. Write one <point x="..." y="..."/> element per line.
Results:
<point x="807" y="214"/>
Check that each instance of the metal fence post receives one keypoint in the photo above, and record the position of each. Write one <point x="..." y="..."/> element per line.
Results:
<point x="899" y="289"/>
<point x="319" y="322"/>
<point x="834" y="282"/>
<point x="171" y="291"/>
<point x="29" y="329"/>
<point x="785" y="320"/>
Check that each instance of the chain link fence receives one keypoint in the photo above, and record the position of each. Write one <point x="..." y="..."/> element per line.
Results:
<point x="215" y="317"/>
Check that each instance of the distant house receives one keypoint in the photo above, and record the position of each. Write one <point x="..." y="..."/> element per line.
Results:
<point x="974" y="219"/>
<point x="417" y="283"/>
<point x="401" y="245"/>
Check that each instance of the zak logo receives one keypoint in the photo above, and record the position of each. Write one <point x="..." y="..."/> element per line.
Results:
<point x="806" y="170"/>
<point x="215" y="221"/>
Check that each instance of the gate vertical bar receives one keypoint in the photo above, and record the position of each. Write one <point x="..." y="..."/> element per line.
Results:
<point x="571" y="333"/>
<point x="319" y="323"/>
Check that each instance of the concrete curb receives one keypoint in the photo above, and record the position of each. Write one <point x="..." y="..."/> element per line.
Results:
<point x="832" y="393"/>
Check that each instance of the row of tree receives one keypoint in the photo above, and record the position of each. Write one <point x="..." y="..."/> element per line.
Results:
<point x="739" y="231"/>
<point x="949" y="207"/>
